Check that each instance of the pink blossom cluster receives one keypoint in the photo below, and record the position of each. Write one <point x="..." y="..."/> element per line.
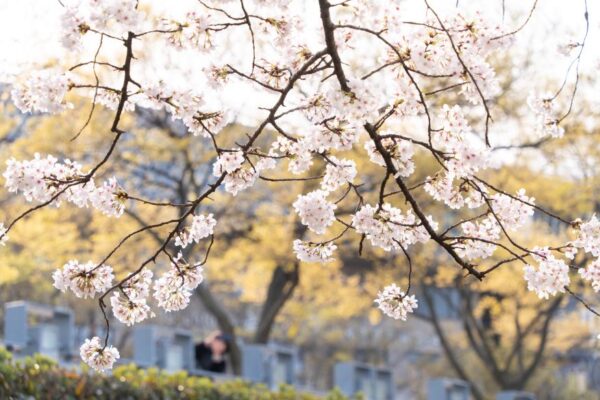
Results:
<point x="588" y="239"/>
<point x="84" y="280"/>
<point x="42" y="91"/>
<point x="544" y="107"/>
<point x="485" y="233"/>
<point x="315" y="211"/>
<point x="97" y="356"/>
<point x="394" y="303"/>
<point x="202" y="226"/>
<point x="115" y="16"/>
<point x="48" y="180"/>
<point x="551" y="275"/>
<point x="314" y="252"/>
<point x="132" y="307"/>
<point x="338" y="173"/>
<point x="174" y="288"/>
<point x="389" y="228"/>
<point x="401" y="152"/>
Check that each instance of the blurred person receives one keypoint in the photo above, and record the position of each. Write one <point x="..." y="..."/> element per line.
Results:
<point x="210" y="353"/>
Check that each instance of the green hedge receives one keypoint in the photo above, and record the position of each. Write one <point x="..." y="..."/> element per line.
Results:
<point x="39" y="377"/>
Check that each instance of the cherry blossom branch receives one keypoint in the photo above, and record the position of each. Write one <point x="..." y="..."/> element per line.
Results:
<point x="328" y="29"/>
<point x="417" y="142"/>
<point x="502" y="262"/>
<point x="91" y="113"/>
<point x="488" y="115"/>
<point x="83" y="180"/>
<point x="578" y="58"/>
<point x="582" y="301"/>
<point x="243" y="75"/>
<point x="520" y="26"/>
<point x="310" y="178"/>
<point x="459" y="223"/>
<point x="415" y="206"/>
<point x="290" y="85"/>
<point x="459" y="239"/>
<point x="212" y="188"/>
<point x="156" y="203"/>
<point x="126" y="80"/>
<point x="541" y="209"/>
<point x="37" y="207"/>
<point x="129" y="236"/>
<point x="446" y="88"/>
<point x="247" y="18"/>
<point x="414" y="83"/>
<point x="410" y="269"/>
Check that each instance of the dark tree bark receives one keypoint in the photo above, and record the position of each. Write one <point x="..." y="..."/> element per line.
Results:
<point x="281" y="288"/>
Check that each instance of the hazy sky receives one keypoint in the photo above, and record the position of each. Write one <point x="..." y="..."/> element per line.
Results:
<point x="29" y="28"/>
<point x="29" y="32"/>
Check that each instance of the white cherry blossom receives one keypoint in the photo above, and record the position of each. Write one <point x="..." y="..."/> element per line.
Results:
<point x="44" y="179"/>
<point x="239" y="180"/>
<point x="174" y="288"/>
<point x="138" y="286"/>
<point x="228" y="162"/>
<point x="130" y="311"/>
<point x="315" y="211"/>
<point x="73" y="28"/>
<point x="591" y="272"/>
<point x="94" y="354"/>
<point x="441" y="188"/>
<point x="191" y="64"/>
<point x="468" y="158"/>
<point x="336" y="135"/>
<point x="588" y="236"/>
<point x="314" y="252"/>
<point x="389" y="228"/>
<point x="394" y="303"/>
<point x="513" y="212"/>
<point x="487" y="230"/>
<point x="42" y="91"/>
<point x="338" y="173"/>
<point x="549" y="277"/>
<point x="401" y="152"/>
<point x="171" y="297"/>
<point x="183" y="274"/>
<point x="544" y="107"/>
<point x="84" y="280"/>
<point x="202" y="226"/>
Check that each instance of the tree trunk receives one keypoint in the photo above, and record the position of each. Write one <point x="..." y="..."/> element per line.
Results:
<point x="280" y="290"/>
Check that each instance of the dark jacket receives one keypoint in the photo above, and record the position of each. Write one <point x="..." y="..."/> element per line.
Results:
<point x="204" y="359"/>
